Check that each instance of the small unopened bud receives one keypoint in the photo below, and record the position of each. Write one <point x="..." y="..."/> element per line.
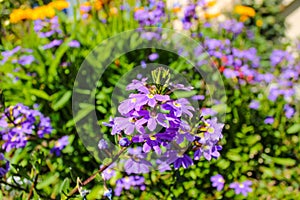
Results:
<point x="124" y="142"/>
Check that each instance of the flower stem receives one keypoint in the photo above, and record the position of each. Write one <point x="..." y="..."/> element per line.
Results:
<point x="92" y="177"/>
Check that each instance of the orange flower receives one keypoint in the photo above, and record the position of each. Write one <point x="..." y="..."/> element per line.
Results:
<point x="17" y="15"/>
<point x="98" y="4"/>
<point x="244" y="10"/>
<point x="59" y="5"/>
<point x="176" y="9"/>
<point x="244" y="18"/>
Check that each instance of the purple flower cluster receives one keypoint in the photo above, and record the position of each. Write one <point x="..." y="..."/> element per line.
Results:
<point x="4" y="165"/>
<point x="232" y="26"/>
<point x="239" y="188"/>
<point x="152" y="121"/>
<point x="189" y="16"/>
<point x="136" y="182"/>
<point x="22" y="59"/>
<point x="151" y="15"/>
<point x="19" y="123"/>
<point x="47" y="27"/>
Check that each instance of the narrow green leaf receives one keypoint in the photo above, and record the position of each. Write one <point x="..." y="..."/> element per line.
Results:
<point x="62" y="101"/>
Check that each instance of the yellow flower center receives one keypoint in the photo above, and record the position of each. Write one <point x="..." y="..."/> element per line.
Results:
<point x="178" y="105"/>
<point x="211" y="130"/>
<point x="150" y="96"/>
<point x="152" y="138"/>
<point x="133" y="100"/>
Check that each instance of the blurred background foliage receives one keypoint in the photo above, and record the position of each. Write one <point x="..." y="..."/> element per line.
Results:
<point x="268" y="155"/>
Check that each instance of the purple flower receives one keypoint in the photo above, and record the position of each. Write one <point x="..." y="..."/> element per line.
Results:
<point x="147" y="98"/>
<point x="26" y="60"/>
<point x="7" y="54"/>
<point x="102" y="144"/>
<point x="243" y="187"/>
<point x="254" y="104"/>
<point x="74" y="44"/>
<point x="198" y="97"/>
<point x="208" y="150"/>
<point x="108" y="173"/>
<point x="4" y="165"/>
<point x="52" y="44"/>
<point x="289" y="111"/>
<point x="179" y="107"/>
<point x="189" y="15"/>
<point x="136" y="163"/>
<point x="179" y="159"/>
<point x="232" y="26"/>
<point x="143" y="64"/>
<point x="137" y="182"/>
<point x="128" y="125"/>
<point x="278" y="56"/>
<point x="152" y="119"/>
<point x="153" y="56"/>
<point x="151" y="15"/>
<point x="21" y="125"/>
<point x="211" y="131"/>
<point x="124" y="142"/>
<point x="208" y="112"/>
<point x="218" y="181"/>
<point x="153" y="141"/>
<point x="269" y="120"/>
<point x="60" y="145"/>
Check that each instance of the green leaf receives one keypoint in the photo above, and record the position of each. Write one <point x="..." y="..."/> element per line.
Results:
<point x="293" y="129"/>
<point x="62" y="101"/>
<point x="39" y="93"/>
<point x="284" y="161"/>
<point x="65" y="185"/>
<point x="50" y="179"/>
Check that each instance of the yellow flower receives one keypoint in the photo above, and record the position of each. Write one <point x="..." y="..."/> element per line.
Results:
<point x="259" y="23"/>
<point x="211" y="3"/>
<point x="59" y="5"/>
<point x="244" y="10"/>
<point x="211" y="15"/>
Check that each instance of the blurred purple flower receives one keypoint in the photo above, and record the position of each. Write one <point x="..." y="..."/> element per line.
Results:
<point x="136" y="163"/>
<point x="102" y="144"/>
<point x="137" y="182"/>
<point x="60" y="145"/>
<point x="108" y="173"/>
<point x="7" y="54"/>
<point x="26" y="60"/>
<point x="269" y="120"/>
<point x="52" y="44"/>
<point x="254" y="104"/>
<point x="74" y="44"/>
<point x="241" y="188"/>
<point x="289" y="111"/>
<point x="153" y="56"/>
<point x="218" y="181"/>
<point x="22" y="124"/>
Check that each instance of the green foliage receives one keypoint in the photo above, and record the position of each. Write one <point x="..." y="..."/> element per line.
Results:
<point x="266" y="154"/>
